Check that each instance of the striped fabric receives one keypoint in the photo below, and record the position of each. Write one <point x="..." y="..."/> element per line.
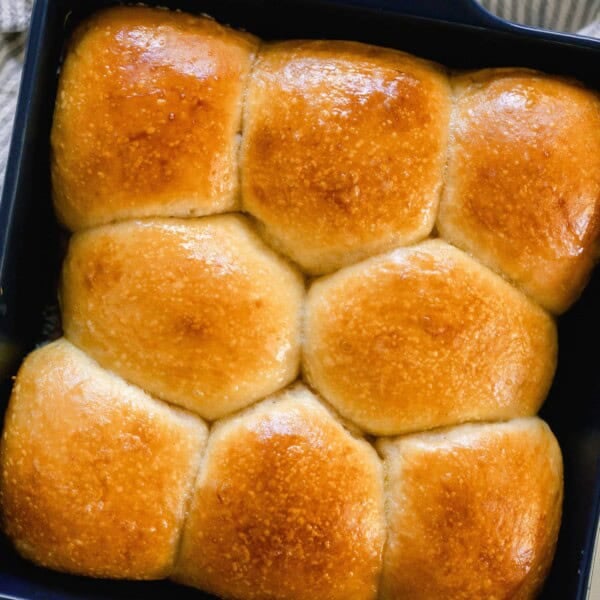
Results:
<point x="560" y="15"/>
<point x="11" y="61"/>
<point x="14" y="15"/>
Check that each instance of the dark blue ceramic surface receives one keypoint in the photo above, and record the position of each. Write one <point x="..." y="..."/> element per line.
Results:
<point x="457" y="33"/>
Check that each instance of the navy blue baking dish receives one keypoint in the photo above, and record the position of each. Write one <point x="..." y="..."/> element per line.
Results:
<point x="457" y="33"/>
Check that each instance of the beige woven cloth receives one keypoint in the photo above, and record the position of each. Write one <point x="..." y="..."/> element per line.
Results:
<point x="560" y="15"/>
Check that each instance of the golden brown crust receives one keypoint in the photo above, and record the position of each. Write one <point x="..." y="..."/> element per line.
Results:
<point x="523" y="190"/>
<point x="343" y="150"/>
<point x="199" y="312"/>
<point x="95" y="474"/>
<point x="148" y="109"/>
<point x="425" y="337"/>
<point x="288" y="506"/>
<point x="473" y="512"/>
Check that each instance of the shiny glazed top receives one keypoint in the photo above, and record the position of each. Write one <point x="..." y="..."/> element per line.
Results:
<point x="147" y="116"/>
<point x="343" y="149"/>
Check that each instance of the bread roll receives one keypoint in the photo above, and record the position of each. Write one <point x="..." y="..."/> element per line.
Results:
<point x="198" y="312"/>
<point x="523" y="185"/>
<point x="473" y="512"/>
<point x="288" y="506"/>
<point x="95" y="474"/>
<point x="147" y="117"/>
<point x="425" y="337"/>
<point x="344" y="149"/>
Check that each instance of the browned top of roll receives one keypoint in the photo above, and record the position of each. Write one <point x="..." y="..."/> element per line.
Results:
<point x="343" y="149"/>
<point x="473" y="512"/>
<point x="288" y="505"/>
<point x="94" y="474"/>
<point x="199" y="312"/>
<point x="148" y="107"/>
<point x="523" y="191"/>
<point x="425" y="337"/>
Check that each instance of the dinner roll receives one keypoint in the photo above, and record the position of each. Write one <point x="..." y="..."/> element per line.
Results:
<point x="344" y="149"/>
<point x="94" y="474"/>
<point x="473" y="512"/>
<point x="523" y="185"/>
<point x="147" y="117"/>
<point x="425" y="337"/>
<point x="198" y="312"/>
<point x="288" y="506"/>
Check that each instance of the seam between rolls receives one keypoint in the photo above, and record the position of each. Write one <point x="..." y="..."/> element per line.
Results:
<point x="386" y="522"/>
<point x="442" y="429"/>
<point x="349" y="426"/>
<point x="242" y="124"/>
<point x="188" y="503"/>
<point x="449" y="143"/>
